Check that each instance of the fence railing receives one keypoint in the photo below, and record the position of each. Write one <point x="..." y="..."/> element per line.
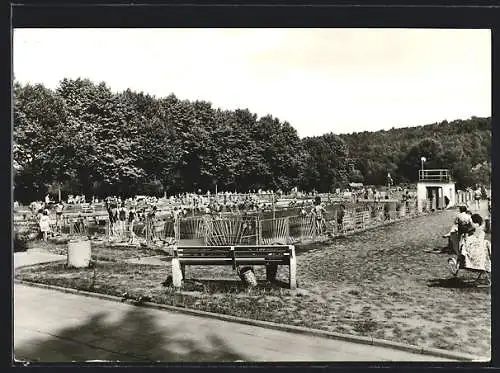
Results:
<point x="244" y="230"/>
<point x="441" y="175"/>
<point x="213" y="231"/>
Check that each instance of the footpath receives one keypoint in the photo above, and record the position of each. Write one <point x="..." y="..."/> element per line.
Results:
<point x="52" y="326"/>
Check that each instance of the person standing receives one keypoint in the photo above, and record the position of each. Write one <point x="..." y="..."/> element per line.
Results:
<point x="59" y="211"/>
<point x="44" y="224"/>
<point x="387" y="214"/>
<point x="477" y="198"/>
<point x="151" y="220"/>
<point x="113" y="216"/>
<point x="318" y="212"/>
<point x="475" y="251"/>
<point x="122" y="221"/>
<point x="340" y="218"/>
<point x="131" y="220"/>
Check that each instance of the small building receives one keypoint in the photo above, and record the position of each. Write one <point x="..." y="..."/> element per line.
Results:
<point x="432" y="188"/>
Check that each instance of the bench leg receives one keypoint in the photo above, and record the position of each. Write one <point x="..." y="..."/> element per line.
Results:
<point x="176" y="273"/>
<point x="293" y="271"/>
<point x="183" y="270"/>
<point x="271" y="270"/>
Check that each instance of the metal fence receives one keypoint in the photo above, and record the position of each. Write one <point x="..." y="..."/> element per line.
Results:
<point x="244" y="230"/>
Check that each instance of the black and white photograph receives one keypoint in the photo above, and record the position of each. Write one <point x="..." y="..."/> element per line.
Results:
<point x="246" y="195"/>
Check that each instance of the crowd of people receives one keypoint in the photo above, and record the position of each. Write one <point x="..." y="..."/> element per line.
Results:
<point x="123" y="214"/>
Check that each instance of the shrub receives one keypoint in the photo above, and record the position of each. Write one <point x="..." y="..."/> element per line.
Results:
<point x="20" y="243"/>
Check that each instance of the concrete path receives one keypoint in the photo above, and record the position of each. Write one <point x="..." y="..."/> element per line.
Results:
<point x="51" y="326"/>
<point x="32" y="257"/>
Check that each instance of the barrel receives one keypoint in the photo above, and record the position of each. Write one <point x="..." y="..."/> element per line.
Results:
<point x="79" y="253"/>
<point x="248" y="276"/>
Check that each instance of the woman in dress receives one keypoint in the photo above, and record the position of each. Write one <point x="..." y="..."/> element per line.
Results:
<point x="475" y="250"/>
<point x="44" y="224"/>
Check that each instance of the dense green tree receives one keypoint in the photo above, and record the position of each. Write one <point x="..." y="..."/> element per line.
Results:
<point x="325" y="166"/>
<point x="84" y="138"/>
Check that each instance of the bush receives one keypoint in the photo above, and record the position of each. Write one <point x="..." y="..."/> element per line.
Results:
<point x="20" y="243"/>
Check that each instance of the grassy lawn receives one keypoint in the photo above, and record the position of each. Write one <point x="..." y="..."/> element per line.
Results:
<point x="381" y="283"/>
<point x="101" y="250"/>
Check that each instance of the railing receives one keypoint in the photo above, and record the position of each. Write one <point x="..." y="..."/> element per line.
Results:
<point x="442" y="175"/>
<point x="250" y="230"/>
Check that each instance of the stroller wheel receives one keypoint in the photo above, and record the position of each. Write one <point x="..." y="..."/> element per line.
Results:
<point x="453" y="266"/>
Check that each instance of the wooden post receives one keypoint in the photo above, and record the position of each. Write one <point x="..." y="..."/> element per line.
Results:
<point x="177" y="224"/>
<point x="293" y="268"/>
<point x="176" y="271"/>
<point x="314" y="229"/>
<point x="259" y="231"/>
<point x="256" y="231"/>
<point x="205" y="231"/>
<point x="302" y="227"/>
<point x="274" y="210"/>
<point x="287" y="229"/>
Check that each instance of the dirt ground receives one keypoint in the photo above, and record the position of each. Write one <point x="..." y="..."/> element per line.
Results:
<point x="382" y="283"/>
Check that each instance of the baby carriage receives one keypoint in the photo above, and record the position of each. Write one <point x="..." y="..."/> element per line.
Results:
<point x="473" y="254"/>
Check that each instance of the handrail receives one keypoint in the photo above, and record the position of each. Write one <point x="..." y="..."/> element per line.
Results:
<point x="434" y="175"/>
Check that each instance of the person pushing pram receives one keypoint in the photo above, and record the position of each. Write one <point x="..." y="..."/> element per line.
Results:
<point x="460" y="226"/>
<point x="474" y="251"/>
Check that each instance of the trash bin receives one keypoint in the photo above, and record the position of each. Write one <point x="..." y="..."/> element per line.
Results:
<point x="79" y="252"/>
<point x="248" y="276"/>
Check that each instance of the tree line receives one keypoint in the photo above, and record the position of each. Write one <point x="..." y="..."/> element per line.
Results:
<point x="83" y="138"/>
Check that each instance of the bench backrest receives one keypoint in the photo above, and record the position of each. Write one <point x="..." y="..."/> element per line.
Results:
<point x="260" y="251"/>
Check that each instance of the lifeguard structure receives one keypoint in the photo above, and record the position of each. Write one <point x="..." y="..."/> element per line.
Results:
<point x="432" y="188"/>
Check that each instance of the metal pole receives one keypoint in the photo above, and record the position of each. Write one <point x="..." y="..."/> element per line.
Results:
<point x="274" y="211"/>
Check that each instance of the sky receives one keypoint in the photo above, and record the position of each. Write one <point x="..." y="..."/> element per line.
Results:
<point x="318" y="80"/>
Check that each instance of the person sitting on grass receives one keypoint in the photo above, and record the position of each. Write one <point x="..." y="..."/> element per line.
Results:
<point x="475" y="251"/>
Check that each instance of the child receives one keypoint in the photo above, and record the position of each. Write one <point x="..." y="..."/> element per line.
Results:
<point x="122" y="220"/>
<point x="318" y="211"/>
<point x="44" y="224"/>
<point x="59" y="211"/>
<point x="113" y="217"/>
<point x="477" y="198"/>
<point x="131" y="220"/>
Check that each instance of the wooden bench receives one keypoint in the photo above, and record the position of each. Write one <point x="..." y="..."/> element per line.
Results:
<point x="270" y="256"/>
